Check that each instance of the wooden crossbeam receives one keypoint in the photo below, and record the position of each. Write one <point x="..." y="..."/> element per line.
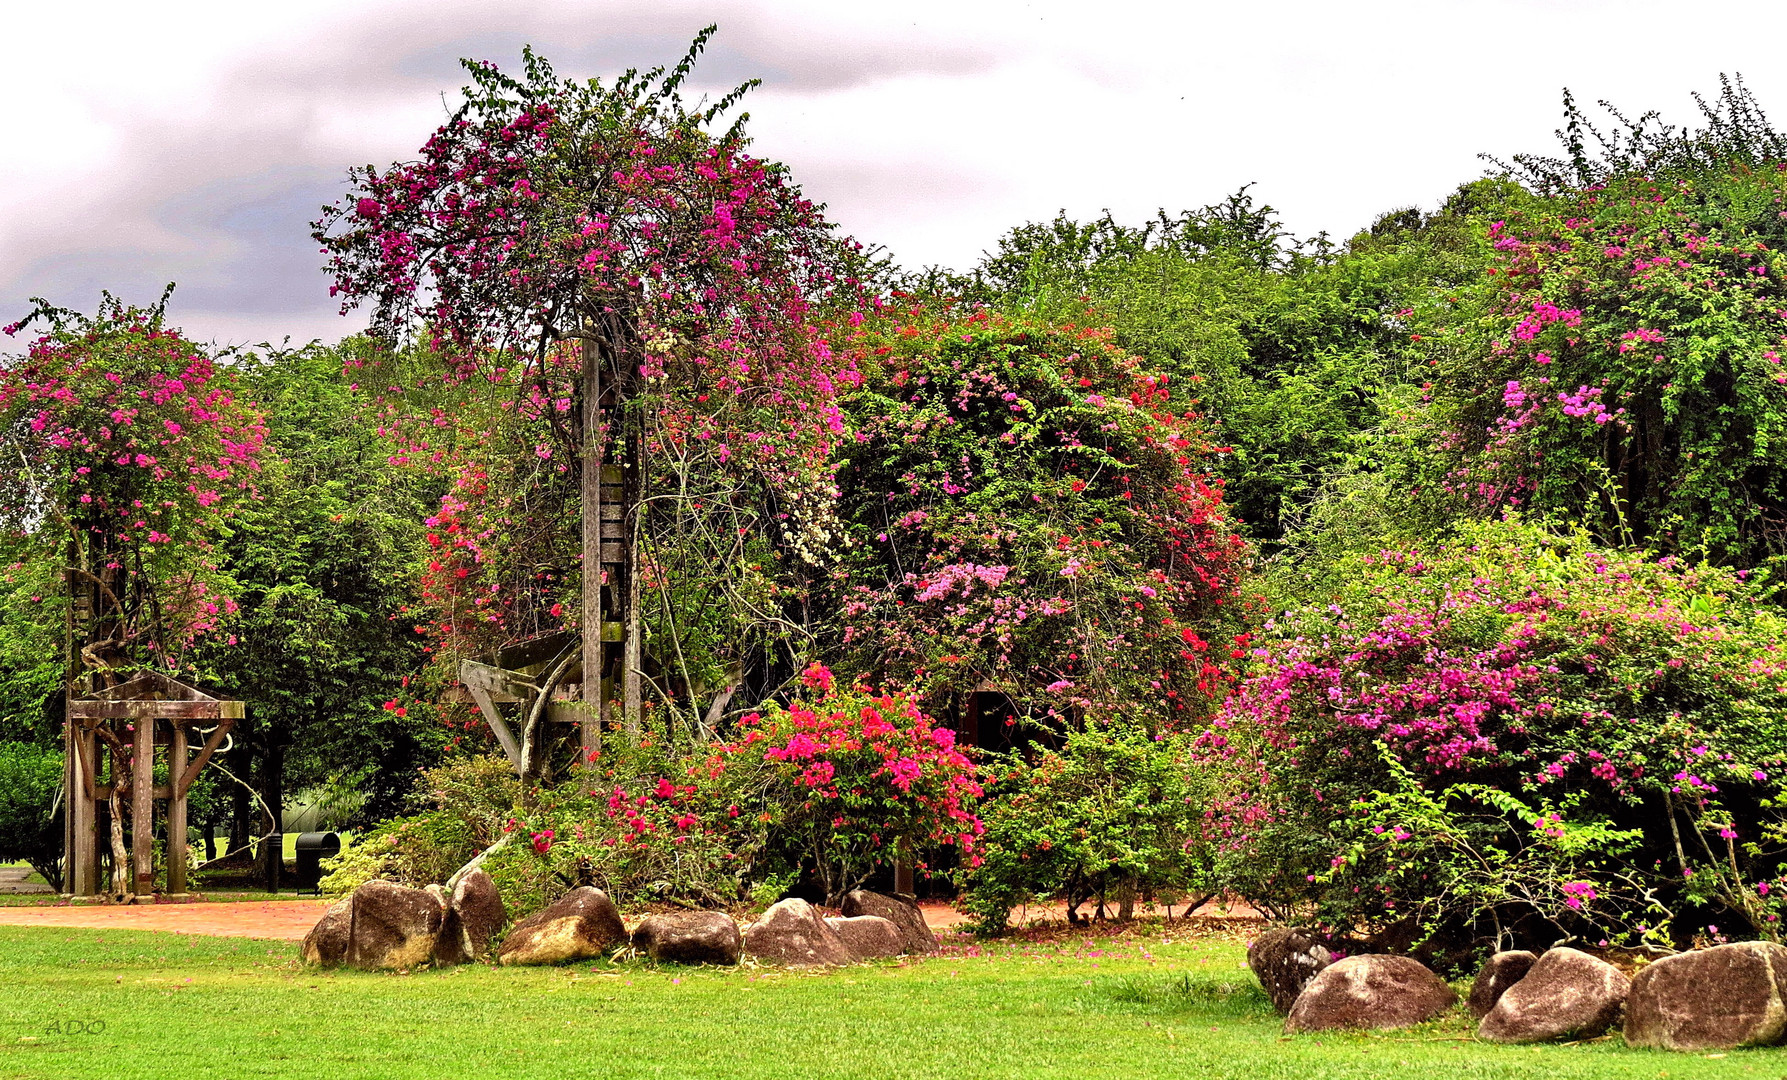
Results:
<point x="198" y="763"/>
<point x="484" y="682"/>
<point x="87" y="708"/>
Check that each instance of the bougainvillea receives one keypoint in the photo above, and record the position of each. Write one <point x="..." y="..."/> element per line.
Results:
<point x="1629" y="372"/>
<point x="130" y="446"/>
<point x="1512" y="726"/>
<point x="1030" y="513"/>
<point x="556" y="236"/>
<point x="838" y="783"/>
<point x="853" y="779"/>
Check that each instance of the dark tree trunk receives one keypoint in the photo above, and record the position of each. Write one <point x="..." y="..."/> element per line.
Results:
<point x="273" y="796"/>
<point x="241" y="801"/>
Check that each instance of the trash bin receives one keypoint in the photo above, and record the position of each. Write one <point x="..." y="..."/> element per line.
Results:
<point x="313" y="848"/>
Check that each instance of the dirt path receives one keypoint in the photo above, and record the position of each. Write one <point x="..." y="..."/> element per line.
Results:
<point x="290" y="920"/>
<point x="287" y="920"/>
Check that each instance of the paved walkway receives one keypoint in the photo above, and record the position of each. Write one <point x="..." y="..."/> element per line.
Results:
<point x="12" y="881"/>
<point x="290" y="920"/>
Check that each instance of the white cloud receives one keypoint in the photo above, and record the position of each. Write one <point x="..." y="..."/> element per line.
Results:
<point x="192" y="141"/>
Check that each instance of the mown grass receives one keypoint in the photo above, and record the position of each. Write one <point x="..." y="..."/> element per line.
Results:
<point x="196" y="1007"/>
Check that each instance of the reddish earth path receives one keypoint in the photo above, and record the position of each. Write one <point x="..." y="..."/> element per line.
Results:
<point x="290" y="920"/>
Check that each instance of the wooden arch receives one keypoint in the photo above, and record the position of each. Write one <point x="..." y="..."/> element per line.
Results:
<point x="124" y="725"/>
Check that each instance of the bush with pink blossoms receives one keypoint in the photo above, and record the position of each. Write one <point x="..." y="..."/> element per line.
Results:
<point x="129" y="448"/>
<point x="848" y="780"/>
<point x="1511" y="735"/>
<point x="836" y="785"/>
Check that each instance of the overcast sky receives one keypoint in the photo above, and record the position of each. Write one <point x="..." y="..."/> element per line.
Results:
<point x="193" y="142"/>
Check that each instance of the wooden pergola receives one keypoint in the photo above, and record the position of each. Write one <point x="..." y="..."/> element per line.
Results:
<point x="124" y="725"/>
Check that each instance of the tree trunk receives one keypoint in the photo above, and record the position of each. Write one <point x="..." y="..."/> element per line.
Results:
<point x="272" y="794"/>
<point x="242" y="811"/>
<point x="591" y="497"/>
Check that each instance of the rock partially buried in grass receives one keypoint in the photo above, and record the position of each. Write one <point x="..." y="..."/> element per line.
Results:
<point x="1567" y="993"/>
<point x="792" y="933"/>
<point x="689" y="937"/>
<point x="326" y="944"/>
<point x="474" y="915"/>
<point x="1500" y="971"/>
<point x="379" y="925"/>
<point x="1370" y="992"/>
<point x="1284" y="959"/>
<point x="868" y="937"/>
<point x="1719" y="998"/>
<point x="481" y="912"/>
<point x="901" y="910"/>
<point x="582" y="925"/>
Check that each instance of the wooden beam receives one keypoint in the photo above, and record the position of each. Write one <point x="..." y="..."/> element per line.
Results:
<point x="500" y="684"/>
<point x="497" y="725"/>
<point x="87" y="708"/>
<point x="191" y="771"/>
<point x="81" y="868"/>
<point x="539" y="651"/>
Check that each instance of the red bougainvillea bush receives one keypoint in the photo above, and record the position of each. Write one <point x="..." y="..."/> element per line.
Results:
<point x="128" y="448"/>
<point x="1508" y="735"/>
<point x="835" y="785"/>
<point x="1028" y="510"/>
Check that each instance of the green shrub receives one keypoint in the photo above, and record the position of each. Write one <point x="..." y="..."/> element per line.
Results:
<point x="30" y="819"/>
<point x="1513" y="735"/>
<point x="1115" y="813"/>
<point x="473" y="800"/>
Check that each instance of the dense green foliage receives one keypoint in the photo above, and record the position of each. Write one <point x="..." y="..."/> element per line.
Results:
<point x="1113" y="815"/>
<point x="30" y="814"/>
<point x="1513" y="735"/>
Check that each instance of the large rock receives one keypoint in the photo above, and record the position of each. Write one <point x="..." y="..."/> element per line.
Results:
<point x="1284" y="959"/>
<point x="1567" y="993"/>
<point x="581" y="925"/>
<point x="379" y="925"/>
<point x="481" y="913"/>
<point x="474" y="915"/>
<point x="792" y="933"/>
<point x="1500" y="971"/>
<point x="901" y="910"/>
<point x="1726" y="996"/>
<point x="1370" y="992"/>
<point x="689" y="937"/>
<point x="326" y="944"/>
<point x="868" y="937"/>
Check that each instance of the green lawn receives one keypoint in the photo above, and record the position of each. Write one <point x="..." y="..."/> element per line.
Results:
<point x="1139" y="1006"/>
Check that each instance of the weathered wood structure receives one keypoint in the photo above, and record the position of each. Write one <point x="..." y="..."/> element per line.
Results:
<point x="519" y="675"/>
<point x="112" y="738"/>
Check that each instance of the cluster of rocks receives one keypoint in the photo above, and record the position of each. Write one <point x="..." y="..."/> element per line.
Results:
<point x="381" y="925"/>
<point x="1718" y="998"/>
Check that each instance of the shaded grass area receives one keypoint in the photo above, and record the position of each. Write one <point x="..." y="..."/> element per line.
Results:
<point x="1133" y="1006"/>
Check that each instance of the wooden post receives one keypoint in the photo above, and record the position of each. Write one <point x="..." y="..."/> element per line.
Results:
<point x="81" y="868"/>
<point x="631" y="651"/>
<point x="590" y="727"/>
<point x="142" y="808"/>
<point x="177" y="812"/>
<point x="70" y="782"/>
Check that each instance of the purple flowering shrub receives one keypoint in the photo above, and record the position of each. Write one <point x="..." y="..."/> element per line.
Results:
<point x="1620" y="362"/>
<point x="1031" y="511"/>
<point x="1512" y="735"/>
